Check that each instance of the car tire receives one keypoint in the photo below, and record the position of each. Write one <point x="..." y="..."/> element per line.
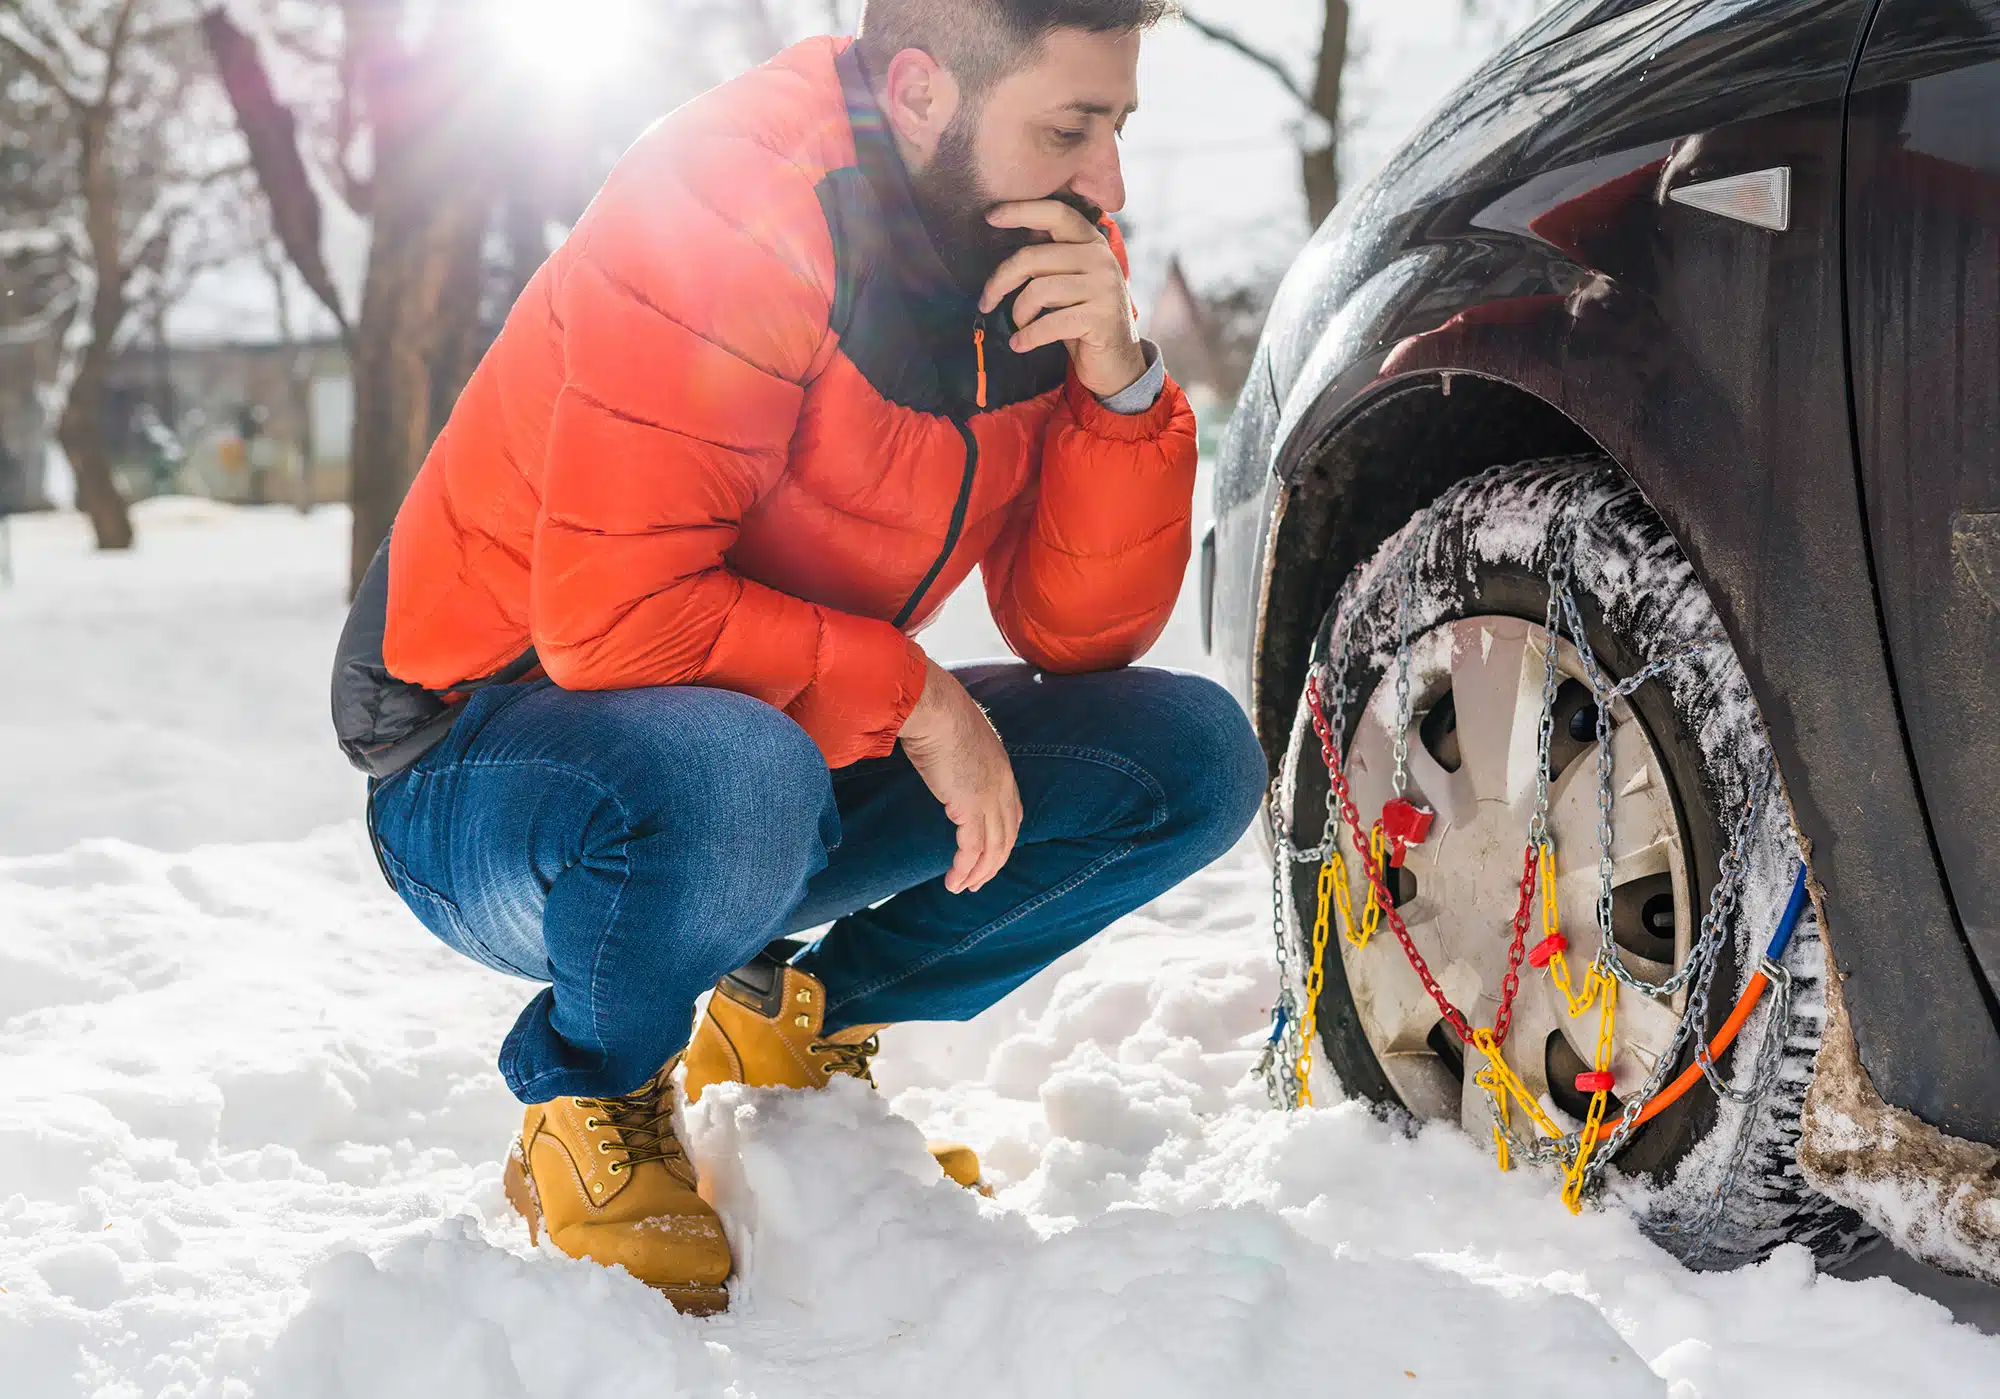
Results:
<point x="1714" y="1182"/>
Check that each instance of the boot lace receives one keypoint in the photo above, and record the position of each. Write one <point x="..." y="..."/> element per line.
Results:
<point x="644" y="1121"/>
<point x="854" y="1060"/>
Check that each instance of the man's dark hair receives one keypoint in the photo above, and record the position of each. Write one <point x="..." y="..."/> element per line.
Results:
<point x="982" y="41"/>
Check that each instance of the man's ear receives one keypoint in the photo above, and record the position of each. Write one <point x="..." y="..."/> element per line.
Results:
<point x="920" y="97"/>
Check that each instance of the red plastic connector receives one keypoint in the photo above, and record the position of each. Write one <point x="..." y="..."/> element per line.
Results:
<point x="1540" y="954"/>
<point x="1596" y="1081"/>
<point x="1406" y="823"/>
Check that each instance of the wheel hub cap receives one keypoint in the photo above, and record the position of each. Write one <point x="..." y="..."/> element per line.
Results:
<point x="1476" y="708"/>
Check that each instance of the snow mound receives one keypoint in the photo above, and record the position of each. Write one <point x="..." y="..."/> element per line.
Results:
<point x="454" y="1315"/>
<point x="910" y="1286"/>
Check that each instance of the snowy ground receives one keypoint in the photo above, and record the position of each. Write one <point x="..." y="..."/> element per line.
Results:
<point x="250" y="1129"/>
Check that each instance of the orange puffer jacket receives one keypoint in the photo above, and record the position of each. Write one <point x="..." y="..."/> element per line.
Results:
<point x="742" y="431"/>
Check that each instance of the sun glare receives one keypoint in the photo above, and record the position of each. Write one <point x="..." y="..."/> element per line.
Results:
<point x="568" y="43"/>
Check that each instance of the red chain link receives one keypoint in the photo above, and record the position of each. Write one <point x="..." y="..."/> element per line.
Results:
<point x="1511" y="984"/>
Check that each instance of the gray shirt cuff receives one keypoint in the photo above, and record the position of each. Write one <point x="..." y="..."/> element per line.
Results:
<point x="1143" y="392"/>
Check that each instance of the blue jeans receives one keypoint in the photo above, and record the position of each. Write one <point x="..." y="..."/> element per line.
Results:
<point x="630" y="847"/>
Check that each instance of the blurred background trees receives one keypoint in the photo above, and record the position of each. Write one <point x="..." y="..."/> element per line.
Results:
<point x="122" y="156"/>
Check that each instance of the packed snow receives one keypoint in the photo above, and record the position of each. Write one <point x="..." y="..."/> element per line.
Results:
<point x="251" y="1130"/>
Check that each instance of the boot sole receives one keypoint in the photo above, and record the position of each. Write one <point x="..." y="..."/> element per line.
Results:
<point x="690" y="1299"/>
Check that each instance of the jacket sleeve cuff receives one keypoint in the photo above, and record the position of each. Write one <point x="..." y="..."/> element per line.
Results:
<point x="1099" y="421"/>
<point x="1142" y="393"/>
<point x="909" y="689"/>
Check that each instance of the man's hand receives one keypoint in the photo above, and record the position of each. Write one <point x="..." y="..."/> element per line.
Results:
<point x="952" y="744"/>
<point x="1075" y="292"/>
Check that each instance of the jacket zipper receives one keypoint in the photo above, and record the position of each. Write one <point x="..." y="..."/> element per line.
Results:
<point x="957" y="521"/>
<point x="964" y="427"/>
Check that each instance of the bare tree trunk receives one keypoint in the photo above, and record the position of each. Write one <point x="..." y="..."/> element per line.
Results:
<point x="428" y="227"/>
<point x="82" y="429"/>
<point x="459" y="339"/>
<point x="1320" y="170"/>
<point x="82" y="436"/>
<point x="395" y="343"/>
<point x="432" y="197"/>
<point x="522" y="226"/>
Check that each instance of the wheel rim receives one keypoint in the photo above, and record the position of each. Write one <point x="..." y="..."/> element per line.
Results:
<point x="1476" y="705"/>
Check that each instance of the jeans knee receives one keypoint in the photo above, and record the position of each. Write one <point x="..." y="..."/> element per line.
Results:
<point x="719" y="768"/>
<point x="1220" y="777"/>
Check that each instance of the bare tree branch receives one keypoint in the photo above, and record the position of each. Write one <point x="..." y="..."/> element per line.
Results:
<point x="38" y="64"/>
<point x="116" y="47"/>
<point x="272" y="133"/>
<point x="1319" y="141"/>
<point x="1230" y="39"/>
<point x="56" y="56"/>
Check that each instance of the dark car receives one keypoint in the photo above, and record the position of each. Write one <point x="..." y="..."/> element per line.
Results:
<point x="1685" y="315"/>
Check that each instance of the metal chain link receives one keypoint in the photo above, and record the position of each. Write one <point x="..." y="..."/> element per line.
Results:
<point x="1770" y="1064"/>
<point x="1278" y="1064"/>
<point x="1404" y="594"/>
<point x="1700" y="966"/>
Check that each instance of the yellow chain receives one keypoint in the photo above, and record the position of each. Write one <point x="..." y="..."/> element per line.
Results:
<point x="1573" y="1178"/>
<point x="1371" y="916"/>
<point x="1330" y="871"/>
<point x="1343" y="901"/>
<point x="1499" y="1078"/>
<point x="1598" y="988"/>
<point x="1578" y="1001"/>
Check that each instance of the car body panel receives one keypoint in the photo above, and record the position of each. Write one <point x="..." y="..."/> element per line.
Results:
<point x="1525" y="237"/>
<point x="1923" y="264"/>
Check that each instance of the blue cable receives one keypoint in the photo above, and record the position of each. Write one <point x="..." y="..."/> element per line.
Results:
<point x="1788" y="923"/>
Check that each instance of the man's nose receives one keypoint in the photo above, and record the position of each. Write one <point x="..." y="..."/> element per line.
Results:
<point x="1102" y="180"/>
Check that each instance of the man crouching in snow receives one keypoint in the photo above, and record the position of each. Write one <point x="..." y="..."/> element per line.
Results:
<point x="634" y="679"/>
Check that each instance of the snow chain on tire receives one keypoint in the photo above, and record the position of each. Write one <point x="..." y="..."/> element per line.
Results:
<point x="1580" y="531"/>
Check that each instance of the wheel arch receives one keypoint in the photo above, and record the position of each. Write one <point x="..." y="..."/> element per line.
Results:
<point x="1355" y="482"/>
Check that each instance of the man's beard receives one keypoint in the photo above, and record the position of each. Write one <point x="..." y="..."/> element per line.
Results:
<point x="954" y="202"/>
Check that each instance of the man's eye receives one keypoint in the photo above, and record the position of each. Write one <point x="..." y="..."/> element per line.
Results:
<point x="1066" y="137"/>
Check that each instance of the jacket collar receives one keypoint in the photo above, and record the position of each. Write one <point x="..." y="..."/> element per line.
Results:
<point x="912" y="255"/>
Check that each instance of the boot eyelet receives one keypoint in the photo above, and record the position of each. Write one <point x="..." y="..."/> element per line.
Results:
<point x="803" y="1021"/>
<point x="614" y="1169"/>
<point x="805" y="998"/>
<point x="604" y="1148"/>
<point x="590" y="1124"/>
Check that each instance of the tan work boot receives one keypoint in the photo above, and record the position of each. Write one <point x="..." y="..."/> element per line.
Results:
<point x="609" y="1181"/>
<point x="762" y="1028"/>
